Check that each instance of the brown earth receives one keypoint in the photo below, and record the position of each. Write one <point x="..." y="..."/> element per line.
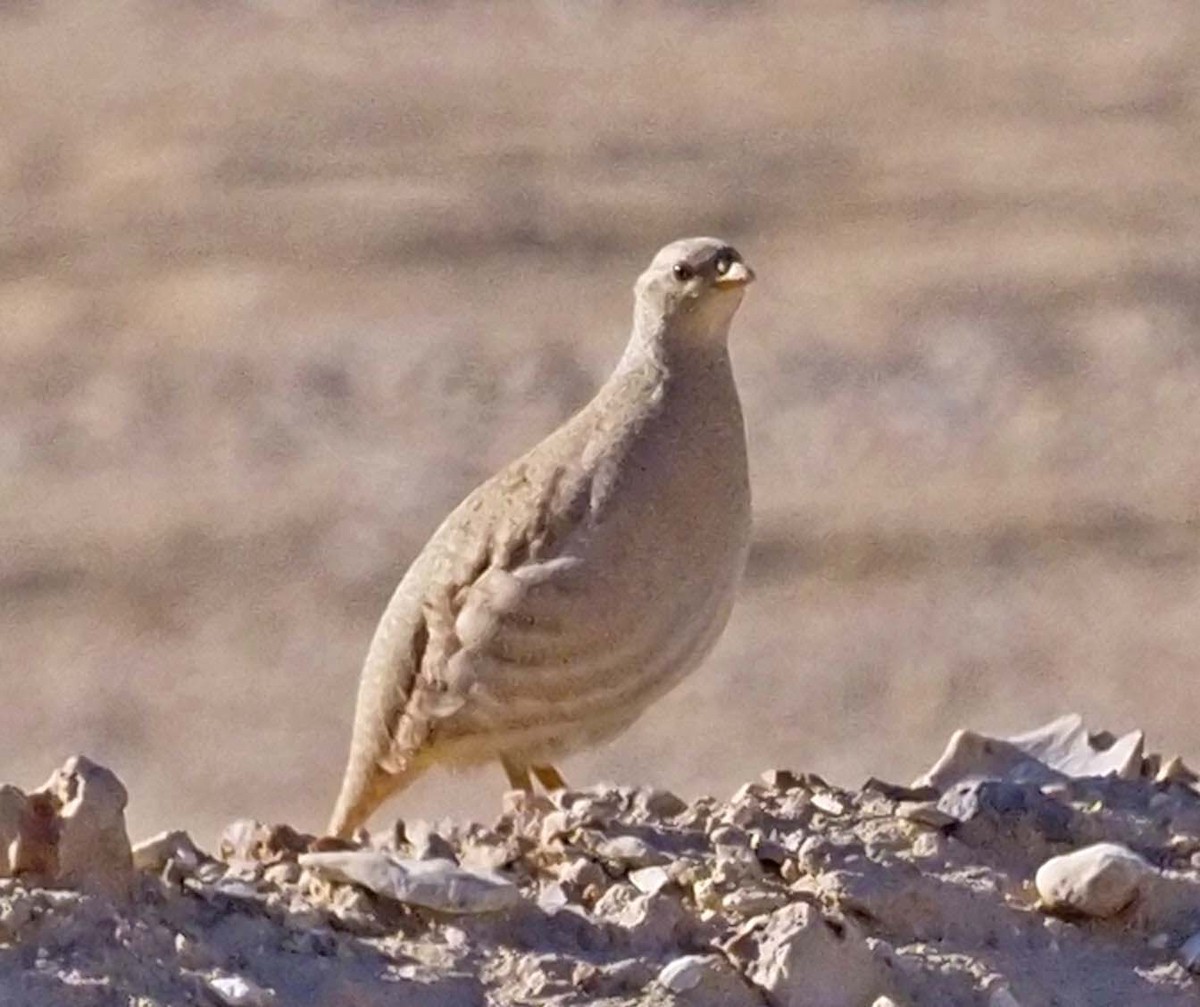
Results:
<point x="279" y="283"/>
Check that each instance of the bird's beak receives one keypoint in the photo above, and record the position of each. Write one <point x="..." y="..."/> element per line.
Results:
<point x="737" y="275"/>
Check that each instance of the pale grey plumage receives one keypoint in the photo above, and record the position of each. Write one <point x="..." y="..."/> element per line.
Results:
<point x="586" y="578"/>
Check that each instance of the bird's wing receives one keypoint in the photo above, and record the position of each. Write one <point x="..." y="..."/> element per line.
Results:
<point x="490" y="586"/>
<point x="492" y="582"/>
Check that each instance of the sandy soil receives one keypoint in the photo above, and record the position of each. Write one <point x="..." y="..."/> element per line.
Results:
<point x="280" y="282"/>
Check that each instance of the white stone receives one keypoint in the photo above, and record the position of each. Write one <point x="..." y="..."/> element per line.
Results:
<point x="650" y="879"/>
<point x="828" y="804"/>
<point x="1047" y="754"/>
<point x="12" y="816"/>
<point x="152" y="854"/>
<point x="1097" y="881"/>
<point x="93" y="846"/>
<point x="629" y="851"/>
<point x="684" y="973"/>
<point x="236" y="991"/>
<point x="552" y="897"/>
<point x="752" y="901"/>
<point x="434" y="884"/>
<point x="660" y="803"/>
<point x="803" y="959"/>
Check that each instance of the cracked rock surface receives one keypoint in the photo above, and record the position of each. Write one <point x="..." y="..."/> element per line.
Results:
<point x="1057" y="867"/>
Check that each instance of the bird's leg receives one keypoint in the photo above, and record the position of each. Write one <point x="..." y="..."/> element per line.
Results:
<point x="549" y="777"/>
<point x="518" y="775"/>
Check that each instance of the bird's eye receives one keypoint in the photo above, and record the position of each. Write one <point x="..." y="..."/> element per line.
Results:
<point x="723" y="263"/>
<point x="683" y="272"/>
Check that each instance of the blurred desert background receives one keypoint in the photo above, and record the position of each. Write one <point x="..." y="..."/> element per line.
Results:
<point x="281" y="281"/>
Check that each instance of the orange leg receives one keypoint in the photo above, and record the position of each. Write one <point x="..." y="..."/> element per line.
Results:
<point x="518" y="775"/>
<point x="549" y="777"/>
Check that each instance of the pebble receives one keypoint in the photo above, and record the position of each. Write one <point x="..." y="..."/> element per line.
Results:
<point x="650" y="921"/>
<point x="828" y="804"/>
<point x="426" y="843"/>
<point x="992" y="810"/>
<point x="286" y="872"/>
<point x="152" y="854"/>
<point x="521" y="802"/>
<point x="552" y="897"/>
<point x="731" y="836"/>
<point x="1097" y="881"/>
<point x="237" y="991"/>
<point x="925" y="813"/>
<point x="736" y="866"/>
<point x="1174" y="771"/>
<point x="928" y="845"/>
<point x="582" y="873"/>
<point x="92" y="849"/>
<point x="623" y="976"/>
<point x="659" y="803"/>
<point x="752" y="901"/>
<point x="684" y="973"/>
<point x="768" y="851"/>
<point x="629" y="852"/>
<point x="797" y="956"/>
<point x="745" y="811"/>
<point x="14" y="916"/>
<point x="13" y="803"/>
<point x="556" y="825"/>
<point x="243" y="839"/>
<point x="649" y="879"/>
<point x="433" y="884"/>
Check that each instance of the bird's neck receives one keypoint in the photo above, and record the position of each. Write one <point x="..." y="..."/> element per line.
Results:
<point x="677" y="346"/>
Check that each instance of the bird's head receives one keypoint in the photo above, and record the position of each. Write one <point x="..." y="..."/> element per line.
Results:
<point x="698" y="282"/>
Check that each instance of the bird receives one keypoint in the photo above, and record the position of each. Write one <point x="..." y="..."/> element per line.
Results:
<point x="583" y="581"/>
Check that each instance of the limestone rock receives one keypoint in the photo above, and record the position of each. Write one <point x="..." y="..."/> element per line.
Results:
<point x="173" y="845"/>
<point x="1098" y="881"/>
<point x="683" y="973"/>
<point x="424" y="842"/>
<point x="249" y="841"/>
<point x="237" y="991"/>
<point x="629" y="852"/>
<point x="705" y="981"/>
<point x="650" y="922"/>
<point x="801" y="959"/>
<point x="1067" y="747"/>
<point x="1058" y="750"/>
<point x="93" y="850"/>
<point x="433" y="884"/>
<point x="12" y="812"/>
<point x="649" y="880"/>
<point x="28" y="834"/>
<point x="993" y="810"/>
<point x="654" y="803"/>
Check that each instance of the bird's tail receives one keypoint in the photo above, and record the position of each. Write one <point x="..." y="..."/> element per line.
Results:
<point x="365" y="786"/>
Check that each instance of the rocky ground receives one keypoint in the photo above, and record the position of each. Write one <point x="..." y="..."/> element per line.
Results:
<point x="1054" y="868"/>
<point x="281" y="283"/>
